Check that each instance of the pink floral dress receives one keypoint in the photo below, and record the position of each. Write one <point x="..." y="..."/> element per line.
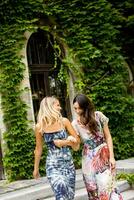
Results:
<point x="97" y="174"/>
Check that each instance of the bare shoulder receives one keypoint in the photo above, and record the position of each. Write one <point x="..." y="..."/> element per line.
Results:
<point x="65" y="121"/>
<point x="37" y="127"/>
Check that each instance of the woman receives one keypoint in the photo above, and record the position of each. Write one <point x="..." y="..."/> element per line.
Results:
<point x="60" y="169"/>
<point x="98" y="163"/>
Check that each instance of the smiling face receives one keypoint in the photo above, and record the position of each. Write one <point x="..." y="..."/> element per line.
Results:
<point x="77" y="108"/>
<point x="57" y="105"/>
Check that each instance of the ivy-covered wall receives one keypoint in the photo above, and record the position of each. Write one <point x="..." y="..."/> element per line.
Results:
<point x="92" y="31"/>
<point x="15" y="19"/>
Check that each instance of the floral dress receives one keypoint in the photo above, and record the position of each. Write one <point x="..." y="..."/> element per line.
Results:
<point x="97" y="174"/>
<point x="60" y="169"/>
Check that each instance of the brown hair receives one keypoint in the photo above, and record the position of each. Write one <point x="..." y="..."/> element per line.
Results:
<point x="87" y="117"/>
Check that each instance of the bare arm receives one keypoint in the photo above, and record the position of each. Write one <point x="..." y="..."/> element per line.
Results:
<point x="110" y="145"/>
<point x="72" y="132"/>
<point x="37" y="152"/>
<point x="74" y="143"/>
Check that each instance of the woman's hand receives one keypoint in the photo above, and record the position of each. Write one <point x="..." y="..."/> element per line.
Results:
<point x="72" y="139"/>
<point x="58" y="143"/>
<point x="36" y="174"/>
<point x="109" y="142"/>
<point x="112" y="163"/>
<point x="74" y="144"/>
<point x="62" y="143"/>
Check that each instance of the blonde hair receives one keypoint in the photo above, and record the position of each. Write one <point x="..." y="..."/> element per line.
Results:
<point x="48" y="115"/>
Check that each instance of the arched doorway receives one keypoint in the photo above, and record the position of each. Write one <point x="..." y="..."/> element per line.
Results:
<point x="43" y="76"/>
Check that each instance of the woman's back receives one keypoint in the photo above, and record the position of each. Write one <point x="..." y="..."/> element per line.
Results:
<point x="60" y="169"/>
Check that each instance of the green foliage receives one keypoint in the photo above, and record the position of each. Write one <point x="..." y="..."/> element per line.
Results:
<point x="18" y="159"/>
<point x="128" y="177"/>
<point x="19" y="137"/>
<point x="92" y="32"/>
<point x="110" y="97"/>
<point x="126" y="11"/>
<point x="77" y="155"/>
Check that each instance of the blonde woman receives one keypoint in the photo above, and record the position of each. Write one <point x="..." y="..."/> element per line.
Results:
<point x="54" y="129"/>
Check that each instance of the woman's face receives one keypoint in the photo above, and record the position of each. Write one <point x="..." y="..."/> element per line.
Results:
<point x="57" y="105"/>
<point x="77" y="108"/>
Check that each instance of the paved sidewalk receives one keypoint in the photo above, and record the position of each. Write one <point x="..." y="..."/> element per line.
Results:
<point x="123" y="166"/>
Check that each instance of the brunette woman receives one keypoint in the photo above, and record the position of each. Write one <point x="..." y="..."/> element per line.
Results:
<point x="98" y="163"/>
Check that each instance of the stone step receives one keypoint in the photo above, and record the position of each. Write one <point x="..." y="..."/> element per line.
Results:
<point x="81" y="194"/>
<point x="125" y="166"/>
<point x="128" y="195"/>
<point x="30" y="193"/>
<point x="40" y="189"/>
<point x="80" y="189"/>
<point x="43" y="191"/>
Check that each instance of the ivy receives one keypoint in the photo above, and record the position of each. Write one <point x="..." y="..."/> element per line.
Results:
<point x="125" y="176"/>
<point x="19" y="137"/>
<point x="91" y="33"/>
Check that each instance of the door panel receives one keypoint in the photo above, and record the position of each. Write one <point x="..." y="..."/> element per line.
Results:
<point x="43" y="76"/>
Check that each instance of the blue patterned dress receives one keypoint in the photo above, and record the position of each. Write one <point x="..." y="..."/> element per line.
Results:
<point x="60" y="169"/>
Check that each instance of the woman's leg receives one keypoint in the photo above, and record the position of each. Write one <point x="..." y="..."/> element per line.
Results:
<point x="106" y="186"/>
<point x="91" y="186"/>
<point x="62" y="180"/>
<point x="89" y="173"/>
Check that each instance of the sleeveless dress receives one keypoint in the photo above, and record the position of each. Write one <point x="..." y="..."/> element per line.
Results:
<point x="98" y="177"/>
<point x="60" y="169"/>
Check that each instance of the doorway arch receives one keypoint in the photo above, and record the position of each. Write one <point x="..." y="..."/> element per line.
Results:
<point x="43" y="75"/>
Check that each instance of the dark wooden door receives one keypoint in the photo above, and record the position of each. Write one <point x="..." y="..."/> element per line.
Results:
<point x="43" y="75"/>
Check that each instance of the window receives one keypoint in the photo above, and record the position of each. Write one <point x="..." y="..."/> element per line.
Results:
<point x="43" y="76"/>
